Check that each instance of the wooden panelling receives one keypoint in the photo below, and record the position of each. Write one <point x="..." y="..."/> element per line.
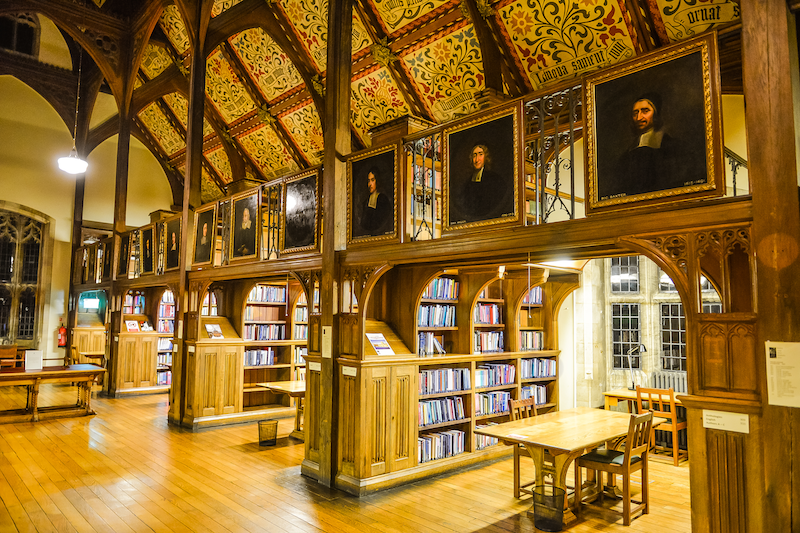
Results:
<point x="347" y="427"/>
<point x="349" y="335"/>
<point x="403" y="423"/>
<point x="728" y="355"/>
<point x="311" y="414"/>
<point x="726" y="481"/>
<point x="375" y="411"/>
<point x="314" y="334"/>
<point x="215" y="385"/>
<point x="208" y="378"/>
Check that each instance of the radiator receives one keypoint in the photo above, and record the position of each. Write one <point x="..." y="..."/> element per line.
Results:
<point x="677" y="381"/>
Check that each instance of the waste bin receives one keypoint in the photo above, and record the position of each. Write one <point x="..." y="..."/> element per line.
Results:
<point x="548" y="507"/>
<point x="267" y="432"/>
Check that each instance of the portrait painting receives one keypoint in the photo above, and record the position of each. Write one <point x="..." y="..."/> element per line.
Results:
<point x="147" y="250"/>
<point x="123" y="261"/>
<point x="371" y="194"/>
<point x="90" y="273"/>
<point x="107" y="246"/>
<point x="300" y="212"/>
<point x="481" y="168"/>
<point x="205" y="229"/>
<point x="654" y="125"/>
<point x="245" y="225"/>
<point x="172" y="246"/>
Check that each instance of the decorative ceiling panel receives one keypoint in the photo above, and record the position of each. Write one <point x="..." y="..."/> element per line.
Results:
<point x="173" y="26"/>
<point x="303" y="124"/>
<point x="225" y="89"/>
<point x="395" y="15"/>
<point x="266" y="63"/>
<point x="209" y="190"/>
<point x="160" y="128"/>
<point x="180" y="106"/>
<point x="155" y="61"/>
<point x="557" y="43"/>
<point x="219" y="160"/>
<point x="309" y="19"/>
<point x="268" y="152"/>
<point x="137" y="82"/>
<point x="375" y="99"/>
<point x="448" y="72"/>
<point x="222" y="5"/>
<point x="677" y="20"/>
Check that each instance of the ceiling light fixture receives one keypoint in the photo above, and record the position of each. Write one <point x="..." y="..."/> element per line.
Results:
<point x="72" y="164"/>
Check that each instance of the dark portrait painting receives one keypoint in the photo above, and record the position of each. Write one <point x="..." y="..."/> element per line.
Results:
<point x="205" y="229"/>
<point x="300" y="214"/>
<point x="481" y="172"/>
<point x="124" y="255"/>
<point x="652" y="129"/>
<point x="173" y="245"/>
<point x="372" y="191"/>
<point x="146" y="250"/>
<point x="245" y="225"/>
<point x="108" y="249"/>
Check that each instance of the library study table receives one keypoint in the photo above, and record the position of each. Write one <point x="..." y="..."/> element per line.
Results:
<point x="82" y="375"/>
<point x="566" y="435"/>
<point x="613" y="397"/>
<point x="297" y="390"/>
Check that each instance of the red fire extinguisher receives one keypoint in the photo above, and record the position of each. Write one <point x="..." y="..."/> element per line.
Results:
<point x="62" y="336"/>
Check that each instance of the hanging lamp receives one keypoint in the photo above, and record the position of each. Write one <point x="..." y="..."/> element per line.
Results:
<point x="72" y="164"/>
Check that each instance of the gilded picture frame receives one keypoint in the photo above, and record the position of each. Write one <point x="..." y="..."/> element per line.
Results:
<point x="124" y="256"/>
<point x="172" y="243"/>
<point x="205" y="232"/>
<point x="245" y="229"/>
<point x="653" y="130"/>
<point x="148" y="249"/>
<point x="300" y="213"/>
<point x="482" y="168"/>
<point x="372" y="195"/>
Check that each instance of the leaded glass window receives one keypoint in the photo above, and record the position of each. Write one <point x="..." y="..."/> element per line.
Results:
<point x="625" y="333"/>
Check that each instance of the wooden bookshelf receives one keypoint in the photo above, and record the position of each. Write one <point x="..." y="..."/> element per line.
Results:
<point x="165" y="326"/>
<point x="136" y="367"/>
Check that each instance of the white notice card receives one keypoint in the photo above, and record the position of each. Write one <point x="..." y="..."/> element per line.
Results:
<point x="783" y="373"/>
<point x="380" y="343"/>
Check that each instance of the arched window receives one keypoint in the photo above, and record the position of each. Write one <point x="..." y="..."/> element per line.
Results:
<point x="20" y="272"/>
<point x="19" y="32"/>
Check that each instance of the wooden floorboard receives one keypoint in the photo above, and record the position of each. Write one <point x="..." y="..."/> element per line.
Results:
<point x="127" y="470"/>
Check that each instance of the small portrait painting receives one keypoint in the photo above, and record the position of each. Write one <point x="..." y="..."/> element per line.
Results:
<point x="481" y="172"/>
<point x="124" y="255"/>
<point x="300" y="213"/>
<point x="205" y="229"/>
<point x="372" y="188"/>
<point x="146" y="250"/>
<point x="245" y="225"/>
<point x="108" y="249"/>
<point x="652" y="129"/>
<point x="172" y="248"/>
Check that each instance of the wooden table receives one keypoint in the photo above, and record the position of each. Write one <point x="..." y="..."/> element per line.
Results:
<point x="296" y="390"/>
<point x="613" y="397"/>
<point x="566" y="435"/>
<point x="84" y="375"/>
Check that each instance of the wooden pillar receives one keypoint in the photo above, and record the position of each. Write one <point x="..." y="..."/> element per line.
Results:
<point x="337" y="143"/>
<point x="767" y="71"/>
<point x="191" y="200"/>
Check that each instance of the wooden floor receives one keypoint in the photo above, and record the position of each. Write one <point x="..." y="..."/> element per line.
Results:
<point x="126" y="470"/>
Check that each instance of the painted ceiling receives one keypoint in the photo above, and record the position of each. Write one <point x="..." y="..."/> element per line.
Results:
<point x="410" y="57"/>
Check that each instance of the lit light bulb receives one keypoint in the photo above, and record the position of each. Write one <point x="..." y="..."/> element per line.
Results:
<point x="72" y="164"/>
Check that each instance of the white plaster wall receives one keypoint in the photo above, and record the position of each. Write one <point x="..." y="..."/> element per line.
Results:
<point x="566" y="360"/>
<point x="52" y="46"/>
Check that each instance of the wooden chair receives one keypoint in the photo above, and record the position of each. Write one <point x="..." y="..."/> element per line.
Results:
<point x="522" y="409"/>
<point x="662" y="403"/>
<point x="624" y="463"/>
<point x="96" y="357"/>
<point x="8" y="356"/>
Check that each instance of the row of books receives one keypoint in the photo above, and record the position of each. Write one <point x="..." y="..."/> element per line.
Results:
<point x="538" y="368"/>
<point x="166" y="326"/>
<point x="530" y="207"/>
<point x="439" y="445"/>
<point x="534" y="296"/>
<point x="436" y="316"/>
<point x="164" y="378"/>
<point x="441" y="380"/>
<point x="134" y="304"/>
<point x="492" y="403"/>
<point x="428" y="344"/>
<point x="531" y="341"/>
<point x="442" y="289"/>
<point x="164" y="345"/>
<point x="483" y="441"/>
<point x="259" y="357"/>
<point x="264" y="332"/>
<point x="300" y="355"/>
<point x="488" y="341"/>
<point x="441" y="410"/>
<point x="301" y="314"/>
<point x="267" y="293"/>
<point x="262" y="314"/>
<point x="488" y="314"/>
<point x="166" y="310"/>
<point x="301" y="331"/>
<point x="164" y="359"/>
<point x="494" y="374"/>
<point x="535" y="391"/>
<point x="168" y="298"/>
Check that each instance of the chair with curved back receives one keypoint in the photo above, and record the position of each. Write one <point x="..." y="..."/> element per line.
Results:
<point x="522" y="409"/>
<point x="624" y="463"/>
<point x="662" y="403"/>
<point x="8" y="356"/>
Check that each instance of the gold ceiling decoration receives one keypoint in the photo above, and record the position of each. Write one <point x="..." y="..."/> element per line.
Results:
<point x="174" y="28"/>
<point x="266" y="63"/>
<point x="225" y="89"/>
<point x="159" y="126"/>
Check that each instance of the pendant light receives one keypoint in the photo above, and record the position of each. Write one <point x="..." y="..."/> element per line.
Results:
<point x="72" y="164"/>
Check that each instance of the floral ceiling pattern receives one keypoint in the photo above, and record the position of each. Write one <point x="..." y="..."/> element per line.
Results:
<point x="159" y="126"/>
<point x="180" y="107"/>
<point x="375" y="99"/>
<point x="155" y="61"/>
<point x="268" y="152"/>
<point x="225" y="89"/>
<point x="677" y="20"/>
<point x="397" y="14"/>
<point x="266" y="63"/>
<point x="174" y="28"/>
<point x="222" y="5"/>
<point x="303" y="124"/>
<point x="218" y="159"/>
